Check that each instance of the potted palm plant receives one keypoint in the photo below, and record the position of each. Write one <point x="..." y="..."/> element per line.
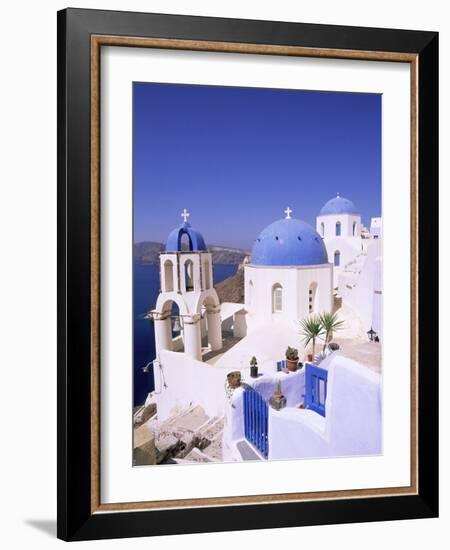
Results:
<point x="292" y="359"/>
<point x="311" y="328"/>
<point x="330" y="324"/>
<point x="253" y="367"/>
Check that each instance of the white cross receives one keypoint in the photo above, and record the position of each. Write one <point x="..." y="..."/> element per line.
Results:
<point x="288" y="213"/>
<point x="185" y="215"/>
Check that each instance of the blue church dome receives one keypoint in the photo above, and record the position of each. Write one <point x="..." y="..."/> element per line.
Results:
<point x="194" y="238"/>
<point x="289" y="242"/>
<point x="338" y="205"/>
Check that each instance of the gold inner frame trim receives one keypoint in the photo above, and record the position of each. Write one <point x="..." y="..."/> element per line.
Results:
<point x="97" y="41"/>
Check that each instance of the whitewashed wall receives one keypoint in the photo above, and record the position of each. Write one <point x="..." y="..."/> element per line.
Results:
<point x="353" y="422"/>
<point x="295" y="281"/>
<point x="358" y="290"/>
<point x="347" y="220"/>
<point x="349" y="248"/>
<point x="189" y="382"/>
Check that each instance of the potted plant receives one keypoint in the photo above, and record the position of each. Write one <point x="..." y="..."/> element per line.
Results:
<point x="234" y="379"/>
<point x="292" y="359"/>
<point x="311" y="328"/>
<point x="330" y="324"/>
<point x="253" y="367"/>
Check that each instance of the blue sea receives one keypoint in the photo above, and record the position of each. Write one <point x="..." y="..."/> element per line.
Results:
<point x="146" y="289"/>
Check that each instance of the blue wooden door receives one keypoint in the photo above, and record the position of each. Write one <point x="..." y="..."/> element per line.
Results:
<point x="256" y="420"/>
<point x="316" y="388"/>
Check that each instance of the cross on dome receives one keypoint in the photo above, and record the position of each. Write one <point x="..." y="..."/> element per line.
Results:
<point x="288" y="213"/>
<point x="338" y="194"/>
<point x="185" y="215"/>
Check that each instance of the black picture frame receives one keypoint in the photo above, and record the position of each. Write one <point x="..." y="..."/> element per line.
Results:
<point x="76" y="521"/>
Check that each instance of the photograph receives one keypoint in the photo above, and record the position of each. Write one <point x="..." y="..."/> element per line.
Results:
<point x="257" y="274"/>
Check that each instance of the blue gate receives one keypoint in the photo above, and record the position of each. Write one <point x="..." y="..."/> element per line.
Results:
<point x="316" y="388"/>
<point x="256" y="420"/>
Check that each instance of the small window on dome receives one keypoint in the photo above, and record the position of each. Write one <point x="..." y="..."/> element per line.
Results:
<point x="185" y="242"/>
<point x="276" y="238"/>
<point x="299" y="238"/>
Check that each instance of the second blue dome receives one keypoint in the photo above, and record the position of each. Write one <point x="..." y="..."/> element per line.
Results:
<point x="338" y="205"/>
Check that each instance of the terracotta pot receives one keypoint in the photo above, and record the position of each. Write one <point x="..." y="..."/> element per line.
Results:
<point x="292" y="365"/>
<point x="310" y="357"/>
<point x="234" y="379"/>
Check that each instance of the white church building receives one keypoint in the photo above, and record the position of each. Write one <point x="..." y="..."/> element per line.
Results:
<point x="339" y="225"/>
<point x="292" y="273"/>
<point x="289" y="276"/>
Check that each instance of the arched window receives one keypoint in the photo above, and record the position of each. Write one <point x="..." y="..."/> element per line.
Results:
<point x="189" y="275"/>
<point x="337" y="258"/>
<point x="322" y="229"/>
<point x="338" y="229"/>
<point x="312" y="297"/>
<point x="277" y="298"/>
<point x="354" y="229"/>
<point x="207" y="275"/>
<point x="168" y="276"/>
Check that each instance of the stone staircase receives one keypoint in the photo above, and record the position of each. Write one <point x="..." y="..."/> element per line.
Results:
<point x="355" y="265"/>
<point x="188" y="436"/>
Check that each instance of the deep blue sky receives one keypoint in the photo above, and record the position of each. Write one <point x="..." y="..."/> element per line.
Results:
<point x="236" y="157"/>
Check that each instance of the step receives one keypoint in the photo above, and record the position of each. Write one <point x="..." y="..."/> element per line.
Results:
<point x="214" y="429"/>
<point x="196" y="455"/>
<point x="247" y="451"/>
<point x="214" y="449"/>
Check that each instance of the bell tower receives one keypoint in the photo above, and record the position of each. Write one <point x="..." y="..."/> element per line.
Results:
<point x="186" y="279"/>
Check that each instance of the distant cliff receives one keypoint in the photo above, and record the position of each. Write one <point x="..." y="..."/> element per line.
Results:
<point x="232" y="289"/>
<point x="147" y="252"/>
<point x="226" y="255"/>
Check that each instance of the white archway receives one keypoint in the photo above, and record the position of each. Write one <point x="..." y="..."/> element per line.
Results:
<point x="162" y="317"/>
<point x="209" y="301"/>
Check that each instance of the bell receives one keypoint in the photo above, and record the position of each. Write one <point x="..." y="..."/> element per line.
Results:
<point x="176" y="325"/>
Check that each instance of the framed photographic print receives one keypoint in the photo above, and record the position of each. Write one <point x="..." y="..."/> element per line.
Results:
<point x="248" y="257"/>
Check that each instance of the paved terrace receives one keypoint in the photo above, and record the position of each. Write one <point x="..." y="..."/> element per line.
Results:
<point x="269" y="342"/>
